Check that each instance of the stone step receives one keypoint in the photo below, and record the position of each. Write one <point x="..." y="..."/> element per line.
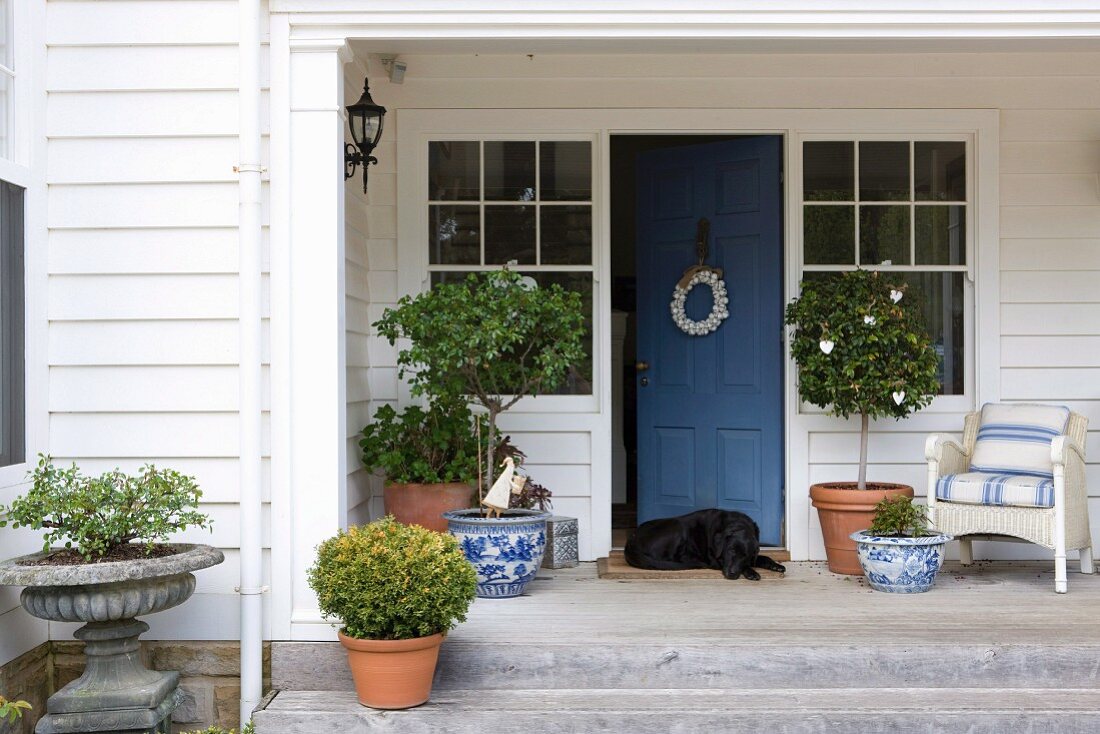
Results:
<point x="506" y="665"/>
<point x="776" y="711"/>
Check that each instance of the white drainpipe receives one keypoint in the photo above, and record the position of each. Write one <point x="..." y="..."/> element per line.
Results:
<point x="251" y="589"/>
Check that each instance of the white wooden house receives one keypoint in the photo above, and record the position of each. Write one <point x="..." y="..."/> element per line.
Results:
<point x="121" y="126"/>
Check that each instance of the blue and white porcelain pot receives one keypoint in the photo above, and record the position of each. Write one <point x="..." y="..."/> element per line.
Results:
<point x="900" y="565"/>
<point x="505" y="551"/>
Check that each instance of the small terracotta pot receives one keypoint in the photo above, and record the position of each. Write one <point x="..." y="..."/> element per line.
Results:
<point x="392" y="674"/>
<point x="843" y="510"/>
<point x="424" y="504"/>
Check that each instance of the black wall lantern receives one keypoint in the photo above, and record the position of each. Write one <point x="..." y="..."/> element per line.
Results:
<point x="365" y="119"/>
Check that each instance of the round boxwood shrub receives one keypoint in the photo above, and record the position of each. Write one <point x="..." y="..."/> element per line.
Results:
<point x="388" y="581"/>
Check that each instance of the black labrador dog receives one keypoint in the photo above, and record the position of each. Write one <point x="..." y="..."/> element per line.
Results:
<point x="721" y="539"/>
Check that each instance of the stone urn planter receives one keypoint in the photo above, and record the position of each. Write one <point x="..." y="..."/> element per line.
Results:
<point x="505" y="551"/>
<point x="116" y="693"/>
<point x="900" y="564"/>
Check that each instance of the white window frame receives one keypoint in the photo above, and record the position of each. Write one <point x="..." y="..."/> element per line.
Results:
<point x="967" y="400"/>
<point x="414" y="269"/>
<point x="25" y="167"/>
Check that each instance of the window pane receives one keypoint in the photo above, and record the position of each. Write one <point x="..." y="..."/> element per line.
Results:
<point x="510" y="171"/>
<point x="579" y="380"/>
<point x="941" y="235"/>
<point x="454" y="170"/>
<point x="828" y="171"/>
<point x="12" y="424"/>
<point x="940" y="171"/>
<point x="509" y="235"/>
<point x="883" y="171"/>
<point x="6" y="91"/>
<point x="454" y="235"/>
<point x="5" y="35"/>
<point x="565" y="171"/>
<point x="566" y="235"/>
<point x="829" y="235"/>
<point x="940" y="296"/>
<point x="884" y="235"/>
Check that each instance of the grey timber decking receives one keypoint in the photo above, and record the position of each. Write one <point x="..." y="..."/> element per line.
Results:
<point x="990" y="648"/>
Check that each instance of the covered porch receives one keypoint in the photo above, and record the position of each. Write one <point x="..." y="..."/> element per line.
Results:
<point x="989" y="649"/>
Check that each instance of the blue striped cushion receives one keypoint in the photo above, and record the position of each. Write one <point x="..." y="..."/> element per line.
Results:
<point x="1017" y="490"/>
<point x="1015" y="439"/>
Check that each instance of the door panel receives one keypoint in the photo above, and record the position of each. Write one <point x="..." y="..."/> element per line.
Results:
<point x="710" y="430"/>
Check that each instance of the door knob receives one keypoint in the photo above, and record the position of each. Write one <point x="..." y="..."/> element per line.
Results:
<point x="641" y="366"/>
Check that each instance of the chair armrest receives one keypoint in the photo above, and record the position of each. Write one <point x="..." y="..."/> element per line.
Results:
<point x="950" y="457"/>
<point x="1064" y="449"/>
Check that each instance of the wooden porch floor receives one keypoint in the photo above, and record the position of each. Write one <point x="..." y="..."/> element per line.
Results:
<point x="989" y="602"/>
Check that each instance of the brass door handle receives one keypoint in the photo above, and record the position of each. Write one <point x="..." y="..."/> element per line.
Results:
<point x="641" y="366"/>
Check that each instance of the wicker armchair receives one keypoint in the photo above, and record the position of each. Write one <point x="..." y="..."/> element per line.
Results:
<point x="1065" y="525"/>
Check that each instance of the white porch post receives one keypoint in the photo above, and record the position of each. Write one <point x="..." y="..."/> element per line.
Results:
<point x="317" y="374"/>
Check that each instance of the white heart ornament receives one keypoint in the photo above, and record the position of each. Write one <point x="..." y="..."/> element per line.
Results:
<point x="869" y="320"/>
<point x="895" y="296"/>
<point x="899" y="397"/>
<point x="826" y="346"/>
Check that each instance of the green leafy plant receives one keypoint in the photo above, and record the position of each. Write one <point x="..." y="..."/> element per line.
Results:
<point x="861" y="349"/>
<point x="898" y="517"/>
<point x="12" y="711"/>
<point x="418" y="446"/>
<point x="100" y="514"/>
<point x="490" y="339"/>
<point x="248" y="728"/>
<point x="388" y="581"/>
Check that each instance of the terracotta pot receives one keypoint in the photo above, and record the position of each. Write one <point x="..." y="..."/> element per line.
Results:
<point x="392" y="674"/>
<point x="842" y="510"/>
<point x="424" y="504"/>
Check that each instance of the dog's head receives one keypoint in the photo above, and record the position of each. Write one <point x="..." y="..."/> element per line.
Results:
<point x="736" y="544"/>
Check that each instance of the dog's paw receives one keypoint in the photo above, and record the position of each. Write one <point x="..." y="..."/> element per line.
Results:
<point x="779" y="568"/>
<point x="751" y="575"/>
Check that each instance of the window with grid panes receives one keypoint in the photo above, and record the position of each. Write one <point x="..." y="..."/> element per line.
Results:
<point x="895" y="205"/>
<point x="527" y="203"/>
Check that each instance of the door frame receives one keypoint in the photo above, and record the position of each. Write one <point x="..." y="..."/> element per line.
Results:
<point x="416" y="125"/>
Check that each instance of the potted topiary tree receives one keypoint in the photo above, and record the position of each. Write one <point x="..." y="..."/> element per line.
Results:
<point x="492" y="339"/>
<point x="899" y="554"/>
<point x="397" y="589"/>
<point x="861" y="350"/>
<point x="429" y="458"/>
<point x="113" y="567"/>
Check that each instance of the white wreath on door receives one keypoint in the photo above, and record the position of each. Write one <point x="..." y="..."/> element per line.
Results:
<point x="719" y="309"/>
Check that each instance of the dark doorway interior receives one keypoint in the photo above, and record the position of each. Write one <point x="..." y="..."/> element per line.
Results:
<point x="624" y="152"/>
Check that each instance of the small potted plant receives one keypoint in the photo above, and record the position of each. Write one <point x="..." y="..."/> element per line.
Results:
<point x="397" y="589"/>
<point x="114" y="566"/>
<point x="429" y="458"/>
<point x="861" y="349"/>
<point x="492" y="339"/>
<point x="899" y="554"/>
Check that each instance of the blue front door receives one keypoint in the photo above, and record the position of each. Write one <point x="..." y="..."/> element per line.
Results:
<point x="710" y="408"/>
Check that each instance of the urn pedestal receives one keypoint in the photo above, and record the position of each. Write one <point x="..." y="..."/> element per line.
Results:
<point x="116" y="693"/>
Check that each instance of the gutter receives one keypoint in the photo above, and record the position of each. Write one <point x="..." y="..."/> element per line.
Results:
<point x="249" y="237"/>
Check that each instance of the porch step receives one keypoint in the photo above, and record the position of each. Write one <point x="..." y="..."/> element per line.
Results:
<point x="732" y="710"/>
<point x="624" y="665"/>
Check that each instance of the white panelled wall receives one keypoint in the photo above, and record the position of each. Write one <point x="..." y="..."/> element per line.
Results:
<point x="142" y="295"/>
<point x="142" y="302"/>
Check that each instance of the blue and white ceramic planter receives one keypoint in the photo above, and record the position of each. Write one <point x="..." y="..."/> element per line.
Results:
<point x="506" y="552"/>
<point x="900" y="565"/>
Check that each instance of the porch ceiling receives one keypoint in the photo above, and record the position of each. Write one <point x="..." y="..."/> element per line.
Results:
<point x="628" y="46"/>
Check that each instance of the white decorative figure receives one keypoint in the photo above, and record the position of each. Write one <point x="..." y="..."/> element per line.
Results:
<point x="869" y="320"/>
<point x="826" y="345"/>
<point x="895" y="296"/>
<point x="499" y="494"/>
<point x="899" y="396"/>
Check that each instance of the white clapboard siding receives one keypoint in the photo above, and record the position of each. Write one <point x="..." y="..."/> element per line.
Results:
<point x="218" y="478"/>
<point x="148" y="388"/>
<point x="151" y="250"/>
<point x="146" y="160"/>
<point x="1051" y="254"/>
<point x="134" y="68"/>
<point x="143" y="22"/>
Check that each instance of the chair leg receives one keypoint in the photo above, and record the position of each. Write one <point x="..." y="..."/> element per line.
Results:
<point x="966" y="551"/>
<point x="1086" y="560"/>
